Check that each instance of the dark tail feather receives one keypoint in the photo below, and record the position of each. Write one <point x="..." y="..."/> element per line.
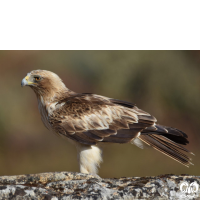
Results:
<point x="167" y="140"/>
<point x="170" y="133"/>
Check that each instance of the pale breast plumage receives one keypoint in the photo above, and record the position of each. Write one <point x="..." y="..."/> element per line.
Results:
<point x="45" y="111"/>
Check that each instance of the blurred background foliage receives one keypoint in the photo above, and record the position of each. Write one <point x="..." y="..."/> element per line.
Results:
<point x="163" y="83"/>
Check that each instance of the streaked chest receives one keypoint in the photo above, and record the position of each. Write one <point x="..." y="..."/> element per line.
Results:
<point x="45" y="111"/>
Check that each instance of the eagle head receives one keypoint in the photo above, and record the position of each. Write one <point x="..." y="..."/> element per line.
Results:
<point x="43" y="81"/>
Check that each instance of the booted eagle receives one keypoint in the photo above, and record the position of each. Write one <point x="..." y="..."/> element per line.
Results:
<point x="89" y="119"/>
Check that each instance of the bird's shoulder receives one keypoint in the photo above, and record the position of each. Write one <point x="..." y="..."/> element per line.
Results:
<point x="83" y="99"/>
<point x="85" y="103"/>
<point x="80" y="104"/>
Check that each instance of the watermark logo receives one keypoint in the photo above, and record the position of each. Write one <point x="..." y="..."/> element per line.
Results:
<point x="189" y="190"/>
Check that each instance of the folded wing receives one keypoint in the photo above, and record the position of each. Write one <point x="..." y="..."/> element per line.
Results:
<point x="90" y="119"/>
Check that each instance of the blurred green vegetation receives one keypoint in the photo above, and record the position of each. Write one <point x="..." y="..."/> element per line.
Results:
<point x="163" y="83"/>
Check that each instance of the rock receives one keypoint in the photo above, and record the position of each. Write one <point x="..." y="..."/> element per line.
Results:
<point x="69" y="185"/>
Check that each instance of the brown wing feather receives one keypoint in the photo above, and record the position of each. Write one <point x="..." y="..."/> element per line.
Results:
<point x="88" y="119"/>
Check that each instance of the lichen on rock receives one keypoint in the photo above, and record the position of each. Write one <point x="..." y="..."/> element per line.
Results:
<point x="69" y="185"/>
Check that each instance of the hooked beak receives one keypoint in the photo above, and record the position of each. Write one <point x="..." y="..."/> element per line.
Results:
<point x="25" y="82"/>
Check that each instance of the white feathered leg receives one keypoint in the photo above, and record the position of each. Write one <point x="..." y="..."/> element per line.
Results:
<point x="89" y="158"/>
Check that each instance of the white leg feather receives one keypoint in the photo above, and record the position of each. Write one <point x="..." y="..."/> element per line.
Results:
<point x="89" y="158"/>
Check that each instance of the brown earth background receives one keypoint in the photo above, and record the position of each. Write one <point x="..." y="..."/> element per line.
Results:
<point x="163" y="83"/>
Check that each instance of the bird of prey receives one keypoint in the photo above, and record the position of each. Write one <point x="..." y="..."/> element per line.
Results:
<point x="89" y="120"/>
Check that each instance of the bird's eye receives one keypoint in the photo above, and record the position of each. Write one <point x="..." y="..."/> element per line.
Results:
<point x="37" y="78"/>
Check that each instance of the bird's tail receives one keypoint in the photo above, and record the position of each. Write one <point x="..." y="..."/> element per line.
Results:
<point x="168" y="141"/>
